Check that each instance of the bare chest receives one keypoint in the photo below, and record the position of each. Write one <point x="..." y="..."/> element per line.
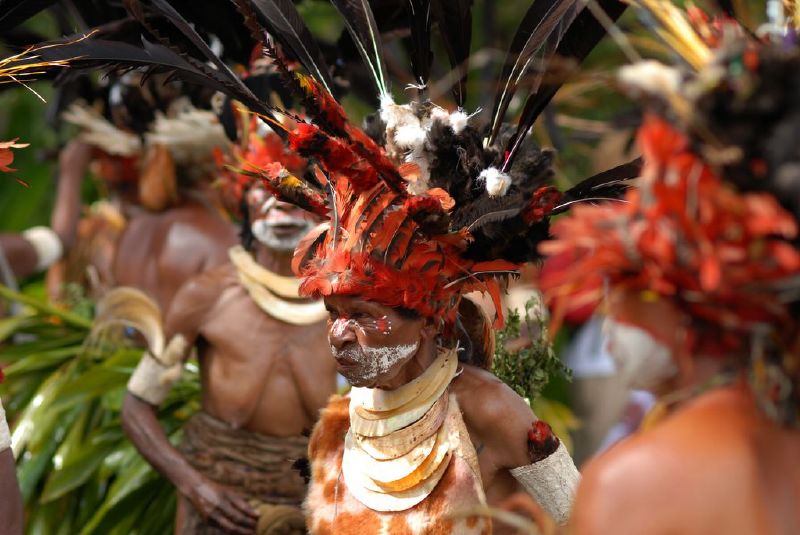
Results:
<point x="238" y="331"/>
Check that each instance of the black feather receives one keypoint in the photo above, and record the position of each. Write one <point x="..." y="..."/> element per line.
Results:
<point x="281" y="19"/>
<point x="609" y="184"/>
<point x="454" y="18"/>
<point x="164" y="9"/>
<point x="582" y="37"/>
<point x="361" y="24"/>
<point x="220" y="78"/>
<point x="421" y="54"/>
<point x="536" y="40"/>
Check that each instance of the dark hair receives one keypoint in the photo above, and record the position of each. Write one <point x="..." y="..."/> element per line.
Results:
<point x="245" y="232"/>
<point x="474" y="334"/>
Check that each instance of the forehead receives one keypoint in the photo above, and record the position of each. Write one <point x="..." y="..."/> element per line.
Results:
<point x="257" y="194"/>
<point x="348" y="302"/>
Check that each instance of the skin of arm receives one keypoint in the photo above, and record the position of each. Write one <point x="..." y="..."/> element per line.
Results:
<point x="11" y="509"/>
<point x="140" y="422"/>
<point x="73" y="163"/>
<point x="20" y="254"/>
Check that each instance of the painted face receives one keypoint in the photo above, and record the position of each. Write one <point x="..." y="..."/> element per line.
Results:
<point x="640" y="358"/>
<point x="370" y="342"/>
<point x="277" y="225"/>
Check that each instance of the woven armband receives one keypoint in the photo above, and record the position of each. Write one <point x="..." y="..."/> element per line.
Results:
<point x="47" y="245"/>
<point x="552" y="482"/>
<point x="152" y="380"/>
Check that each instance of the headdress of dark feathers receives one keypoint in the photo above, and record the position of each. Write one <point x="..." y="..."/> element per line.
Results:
<point x="451" y="201"/>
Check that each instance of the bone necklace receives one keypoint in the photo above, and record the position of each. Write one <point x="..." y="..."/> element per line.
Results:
<point x="400" y="442"/>
<point x="268" y="290"/>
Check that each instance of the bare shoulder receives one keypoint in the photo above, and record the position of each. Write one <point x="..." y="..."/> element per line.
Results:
<point x="495" y="415"/>
<point x="653" y="482"/>
<point x="197" y="296"/>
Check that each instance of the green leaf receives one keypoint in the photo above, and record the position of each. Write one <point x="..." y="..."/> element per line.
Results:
<point x="40" y="361"/>
<point x="131" y="479"/>
<point x="8" y="326"/>
<point x="75" y="471"/>
<point x="35" y="415"/>
<point x="46" y="308"/>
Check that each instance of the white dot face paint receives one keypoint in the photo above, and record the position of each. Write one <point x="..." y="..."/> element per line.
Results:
<point x="363" y="366"/>
<point x="641" y="359"/>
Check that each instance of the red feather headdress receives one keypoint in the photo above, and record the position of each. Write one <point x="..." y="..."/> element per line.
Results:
<point x="449" y="203"/>
<point x="685" y="235"/>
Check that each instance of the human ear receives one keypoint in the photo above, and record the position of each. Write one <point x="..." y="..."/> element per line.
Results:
<point x="429" y="329"/>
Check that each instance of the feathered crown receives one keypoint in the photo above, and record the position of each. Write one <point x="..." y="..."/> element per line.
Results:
<point x="259" y="148"/>
<point x="443" y="202"/>
<point x="689" y="234"/>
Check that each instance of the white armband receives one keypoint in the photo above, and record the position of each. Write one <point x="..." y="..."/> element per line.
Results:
<point x="552" y="482"/>
<point x="151" y="380"/>
<point x="5" y="434"/>
<point x="47" y="245"/>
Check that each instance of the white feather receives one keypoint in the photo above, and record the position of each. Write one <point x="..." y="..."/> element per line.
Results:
<point x="458" y="121"/>
<point x="497" y="183"/>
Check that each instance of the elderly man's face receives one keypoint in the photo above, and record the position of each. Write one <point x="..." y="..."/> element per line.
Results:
<point x="277" y="225"/>
<point x="370" y="342"/>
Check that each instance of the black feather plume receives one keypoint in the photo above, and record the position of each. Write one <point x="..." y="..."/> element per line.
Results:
<point x="421" y="54"/>
<point x="536" y="40"/>
<point x="583" y="35"/>
<point x="361" y="24"/>
<point x="454" y="18"/>
<point x="281" y="19"/>
<point x="609" y="184"/>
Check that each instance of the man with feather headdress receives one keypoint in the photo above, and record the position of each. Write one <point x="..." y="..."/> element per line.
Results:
<point x="154" y="153"/>
<point x="702" y="267"/>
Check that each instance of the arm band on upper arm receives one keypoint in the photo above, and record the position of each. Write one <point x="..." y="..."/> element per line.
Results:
<point x="151" y="380"/>
<point x="47" y="245"/>
<point x="5" y="434"/>
<point x="552" y="482"/>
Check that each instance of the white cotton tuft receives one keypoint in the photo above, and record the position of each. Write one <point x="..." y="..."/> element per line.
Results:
<point x="410" y="135"/>
<point x="458" y="121"/>
<point x="650" y="77"/>
<point x="497" y="183"/>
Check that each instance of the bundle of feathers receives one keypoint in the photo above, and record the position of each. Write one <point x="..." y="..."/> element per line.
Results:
<point x="443" y="202"/>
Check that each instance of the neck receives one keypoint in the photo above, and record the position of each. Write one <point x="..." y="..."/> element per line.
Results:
<point x="420" y="362"/>
<point x="277" y="262"/>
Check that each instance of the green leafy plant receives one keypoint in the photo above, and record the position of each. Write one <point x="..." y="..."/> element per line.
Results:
<point x="524" y="358"/>
<point x="78" y="472"/>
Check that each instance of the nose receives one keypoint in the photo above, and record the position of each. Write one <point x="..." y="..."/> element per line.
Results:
<point x="340" y="332"/>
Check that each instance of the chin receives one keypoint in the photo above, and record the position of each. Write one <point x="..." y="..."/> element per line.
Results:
<point x="354" y="377"/>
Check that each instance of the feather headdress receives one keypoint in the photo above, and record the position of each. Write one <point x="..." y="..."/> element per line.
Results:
<point x="707" y="229"/>
<point x="445" y="201"/>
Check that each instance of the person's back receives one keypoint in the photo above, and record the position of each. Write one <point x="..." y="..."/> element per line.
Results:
<point x="717" y="465"/>
<point x="180" y="242"/>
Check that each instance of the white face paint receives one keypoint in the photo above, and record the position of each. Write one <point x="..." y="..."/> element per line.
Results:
<point x="643" y="361"/>
<point x="276" y="229"/>
<point x="363" y="366"/>
<point x="281" y="236"/>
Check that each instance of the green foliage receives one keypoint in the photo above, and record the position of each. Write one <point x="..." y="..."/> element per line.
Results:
<point x="78" y="472"/>
<point x="529" y="369"/>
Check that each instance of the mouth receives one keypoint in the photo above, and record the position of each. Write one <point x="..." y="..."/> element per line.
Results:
<point x="285" y="230"/>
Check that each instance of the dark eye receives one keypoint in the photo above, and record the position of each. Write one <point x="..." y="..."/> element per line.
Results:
<point x="332" y="315"/>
